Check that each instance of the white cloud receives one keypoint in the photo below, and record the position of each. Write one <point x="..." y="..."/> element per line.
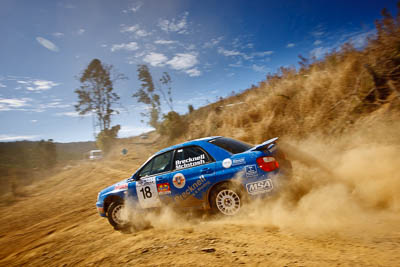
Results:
<point x="35" y="84"/>
<point x="127" y="131"/>
<point x="191" y="47"/>
<point x="258" y="68"/>
<point x="2" y="85"/>
<point x="317" y="33"/>
<point x="213" y="42"/>
<point x="175" y="25"/>
<point x="134" y="8"/>
<point x="43" y="85"/>
<point x="72" y="114"/>
<point x="135" y="29"/>
<point x="104" y="45"/>
<point x="155" y="59"/>
<point x="140" y="54"/>
<point x="5" y="137"/>
<point x="69" y="6"/>
<point x="58" y="34"/>
<point x="319" y="52"/>
<point x="55" y="104"/>
<point x="132" y="46"/>
<point x="229" y="53"/>
<point x="317" y="42"/>
<point x="290" y="45"/>
<point x="81" y="31"/>
<point x="183" y="61"/>
<point x="262" y="54"/>
<point x="38" y="85"/>
<point x="7" y="104"/>
<point x="165" y="42"/>
<point x="193" y="72"/>
<point x="47" y="44"/>
<point x="34" y="121"/>
<point x="236" y="65"/>
<point x="142" y="33"/>
<point x="359" y="39"/>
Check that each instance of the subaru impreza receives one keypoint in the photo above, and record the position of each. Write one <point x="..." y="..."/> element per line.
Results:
<point x="213" y="173"/>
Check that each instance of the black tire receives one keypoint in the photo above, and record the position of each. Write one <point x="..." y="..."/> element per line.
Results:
<point x="112" y="214"/>
<point x="226" y="199"/>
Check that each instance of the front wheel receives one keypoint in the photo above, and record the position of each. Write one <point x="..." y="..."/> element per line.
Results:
<point x="115" y="216"/>
<point x="226" y="200"/>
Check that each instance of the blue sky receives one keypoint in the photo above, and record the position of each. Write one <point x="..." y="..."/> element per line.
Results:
<point x="210" y="48"/>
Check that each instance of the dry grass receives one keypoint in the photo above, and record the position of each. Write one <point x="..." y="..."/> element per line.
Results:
<point x="329" y="97"/>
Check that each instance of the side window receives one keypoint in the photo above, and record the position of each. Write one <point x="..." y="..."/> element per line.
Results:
<point x="146" y="169"/>
<point x="159" y="164"/>
<point x="162" y="163"/>
<point x="192" y="156"/>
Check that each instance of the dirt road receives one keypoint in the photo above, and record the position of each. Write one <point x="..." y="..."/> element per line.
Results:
<point x="56" y="224"/>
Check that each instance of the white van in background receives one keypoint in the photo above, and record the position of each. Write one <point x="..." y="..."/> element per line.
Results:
<point x="96" y="154"/>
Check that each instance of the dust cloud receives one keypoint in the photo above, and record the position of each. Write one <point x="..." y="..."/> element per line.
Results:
<point x="167" y="217"/>
<point x="341" y="185"/>
<point x="347" y="185"/>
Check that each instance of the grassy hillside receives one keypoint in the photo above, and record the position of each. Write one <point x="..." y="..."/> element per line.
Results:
<point x="337" y="94"/>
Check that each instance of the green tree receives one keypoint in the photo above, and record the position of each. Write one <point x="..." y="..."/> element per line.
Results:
<point x="166" y="83"/>
<point x="96" y="94"/>
<point x="106" y="138"/>
<point x="191" y="108"/>
<point x="148" y="94"/>
<point x="173" y="125"/>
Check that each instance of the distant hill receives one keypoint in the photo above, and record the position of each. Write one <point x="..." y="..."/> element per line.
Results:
<point x="24" y="160"/>
<point x="74" y="150"/>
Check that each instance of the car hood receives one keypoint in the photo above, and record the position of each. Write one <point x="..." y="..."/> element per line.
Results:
<point x="116" y="186"/>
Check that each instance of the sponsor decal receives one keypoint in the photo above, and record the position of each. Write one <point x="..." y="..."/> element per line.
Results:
<point x="190" y="162"/>
<point x="163" y="189"/>
<point x="227" y="163"/>
<point x="121" y="186"/>
<point x="259" y="187"/>
<point x="179" y="180"/>
<point x="251" y="171"/>
<point x="240" y="161"/>
<point x="146" y="181"/>
<point x="146" y="190"/>
<point x="193" y="189"/>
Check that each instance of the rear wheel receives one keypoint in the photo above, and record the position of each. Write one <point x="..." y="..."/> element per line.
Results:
<point x="115" y="216"/>
<point x="226" y="199"/>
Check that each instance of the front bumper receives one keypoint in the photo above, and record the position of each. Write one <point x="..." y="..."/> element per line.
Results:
<point x="100" y="209"/>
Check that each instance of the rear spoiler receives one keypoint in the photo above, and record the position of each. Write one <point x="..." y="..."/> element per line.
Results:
<point x="266" y="145"/>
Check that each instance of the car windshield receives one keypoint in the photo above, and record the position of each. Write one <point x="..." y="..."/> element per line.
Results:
<point x="231" y="145"/>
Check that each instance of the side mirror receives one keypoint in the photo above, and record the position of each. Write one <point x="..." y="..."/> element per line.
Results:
<point x="133" y="177"/>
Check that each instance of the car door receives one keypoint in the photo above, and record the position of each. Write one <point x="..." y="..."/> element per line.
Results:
<point x="149" y="179"/>
<point x="193" y="173"/>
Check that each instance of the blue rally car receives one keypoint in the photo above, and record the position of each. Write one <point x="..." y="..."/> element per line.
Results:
<point x="216" y="173"/>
